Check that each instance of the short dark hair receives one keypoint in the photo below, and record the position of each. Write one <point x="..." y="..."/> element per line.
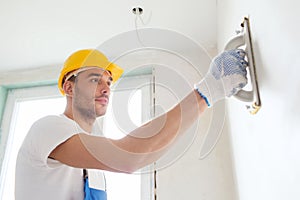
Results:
<point x="72" y="78"/>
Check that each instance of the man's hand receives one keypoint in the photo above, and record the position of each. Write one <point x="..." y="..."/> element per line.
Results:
<point x="226" y="76"/>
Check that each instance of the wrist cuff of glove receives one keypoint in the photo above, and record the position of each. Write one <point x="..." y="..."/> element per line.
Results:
<point x="204" y="97"/>
<point x="210" y="89"/>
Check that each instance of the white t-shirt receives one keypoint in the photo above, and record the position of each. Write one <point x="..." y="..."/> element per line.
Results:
<point x="39" y="177"/>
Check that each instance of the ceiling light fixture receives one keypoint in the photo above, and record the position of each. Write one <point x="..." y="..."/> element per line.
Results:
<point x="137" y="10"/>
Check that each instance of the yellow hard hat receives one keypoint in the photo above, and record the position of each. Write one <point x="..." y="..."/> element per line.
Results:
<point x="88" y="58"/>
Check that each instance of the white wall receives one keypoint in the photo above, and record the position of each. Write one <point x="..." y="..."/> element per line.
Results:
<point x="266" y="146"/>
<point x="181" y="174"/>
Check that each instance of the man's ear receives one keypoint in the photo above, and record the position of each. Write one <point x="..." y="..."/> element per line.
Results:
<point x="68" y="88"/>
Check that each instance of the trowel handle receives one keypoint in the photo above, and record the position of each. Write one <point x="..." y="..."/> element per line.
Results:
<point x="235" y="43"/>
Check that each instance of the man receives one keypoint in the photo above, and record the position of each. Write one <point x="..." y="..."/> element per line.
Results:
<point x="51" y="160"/>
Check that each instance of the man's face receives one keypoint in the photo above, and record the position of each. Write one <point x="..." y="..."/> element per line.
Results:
<point x="91" y="93"/>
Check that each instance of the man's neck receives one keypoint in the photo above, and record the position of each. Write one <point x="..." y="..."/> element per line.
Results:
<point x="85" y="123"/>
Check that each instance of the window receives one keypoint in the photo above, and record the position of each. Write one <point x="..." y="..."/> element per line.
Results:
<point x="26" y="104"/>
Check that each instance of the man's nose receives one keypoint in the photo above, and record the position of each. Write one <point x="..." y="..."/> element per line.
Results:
<point x="104" y="88"/>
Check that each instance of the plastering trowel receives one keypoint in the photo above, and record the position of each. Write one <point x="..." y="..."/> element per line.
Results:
<point x="244" y="40"/>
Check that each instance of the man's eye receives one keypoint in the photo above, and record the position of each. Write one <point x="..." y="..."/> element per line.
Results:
<point x="95" y="80"/>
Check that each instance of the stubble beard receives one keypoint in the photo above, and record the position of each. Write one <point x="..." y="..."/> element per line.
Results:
<point x="84" y="108"/>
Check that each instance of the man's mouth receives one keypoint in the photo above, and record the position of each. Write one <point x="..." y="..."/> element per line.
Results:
<point x="102" y="100"/>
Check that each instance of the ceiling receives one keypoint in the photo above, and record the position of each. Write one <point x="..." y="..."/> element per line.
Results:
<point x="37" y="34"/>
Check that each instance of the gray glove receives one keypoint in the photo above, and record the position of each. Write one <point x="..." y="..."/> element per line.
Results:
<point x="226" y="76"/>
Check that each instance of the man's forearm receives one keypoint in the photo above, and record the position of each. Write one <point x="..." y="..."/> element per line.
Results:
<point x="149" y="142"/>
<point x="161" y="131"/>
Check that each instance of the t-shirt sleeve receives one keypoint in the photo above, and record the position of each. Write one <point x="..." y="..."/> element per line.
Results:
<point x="46" y="134"/>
